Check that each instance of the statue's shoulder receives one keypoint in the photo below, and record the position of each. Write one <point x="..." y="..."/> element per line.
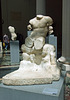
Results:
<point x="32" y="20"/>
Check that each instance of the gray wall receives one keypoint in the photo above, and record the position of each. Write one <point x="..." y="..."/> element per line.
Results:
<point x="17" y="13"/>
<point x="66" y="29"/>
<point x="41" y="7"/>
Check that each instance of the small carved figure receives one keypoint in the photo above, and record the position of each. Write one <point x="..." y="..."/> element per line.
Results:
<point x="12" y="31"/>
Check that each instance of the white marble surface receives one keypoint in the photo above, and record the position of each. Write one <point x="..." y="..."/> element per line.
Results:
<point x="39" y="64"/>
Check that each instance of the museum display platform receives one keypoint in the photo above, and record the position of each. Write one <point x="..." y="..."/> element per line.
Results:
<point x="54" y="91"/>
<point x="14" y="51"/>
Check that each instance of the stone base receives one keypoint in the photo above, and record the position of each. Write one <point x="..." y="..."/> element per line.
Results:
<point x="32" y="74"/>
<point x="26" y="78"/>
<point x="27" y="81"/>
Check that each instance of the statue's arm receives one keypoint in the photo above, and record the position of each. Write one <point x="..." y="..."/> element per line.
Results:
<point x="29" y="27"/>
<point x="49" y="20"/>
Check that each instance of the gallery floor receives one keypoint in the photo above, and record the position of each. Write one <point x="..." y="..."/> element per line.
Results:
<point x="5" y="62"/>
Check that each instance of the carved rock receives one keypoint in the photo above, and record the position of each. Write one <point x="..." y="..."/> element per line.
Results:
<point x="39" y="64"/>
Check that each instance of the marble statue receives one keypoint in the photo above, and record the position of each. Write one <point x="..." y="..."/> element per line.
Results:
<point x="13" y="34"/>
<point x="39" y="64"/>
<point x="62" y="59"/>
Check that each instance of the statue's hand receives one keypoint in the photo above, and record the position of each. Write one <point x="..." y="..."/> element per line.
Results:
<point x="29" y="27"/>
<point x="50" y="30"/>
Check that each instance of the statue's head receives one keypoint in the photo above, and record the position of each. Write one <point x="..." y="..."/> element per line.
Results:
<point x="11" y="29"/>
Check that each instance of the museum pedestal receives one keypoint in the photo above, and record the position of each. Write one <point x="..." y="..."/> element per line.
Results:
<point x="54" y="91"/>
<point x="51" y="39"/>
<point x="28" y="33"/>
<point x="14" y="51"/>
